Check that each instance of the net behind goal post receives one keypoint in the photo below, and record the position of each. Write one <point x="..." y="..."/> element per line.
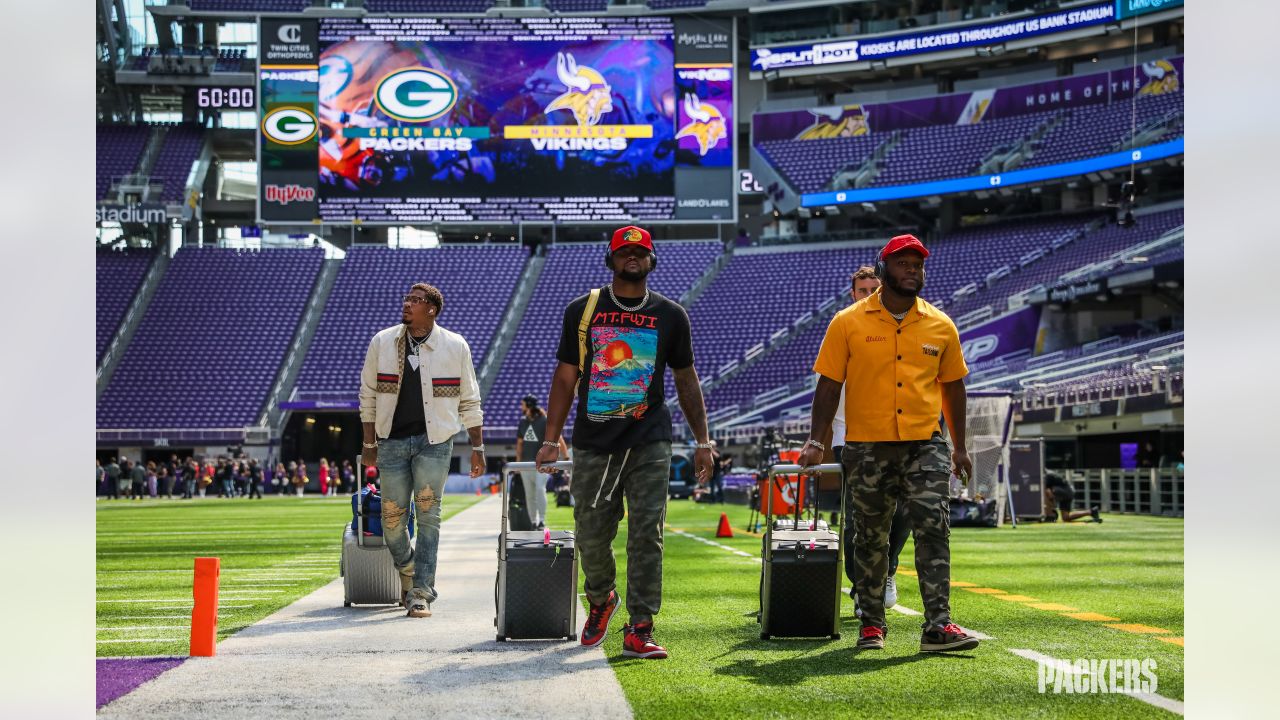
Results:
<point x="988" y="426"/>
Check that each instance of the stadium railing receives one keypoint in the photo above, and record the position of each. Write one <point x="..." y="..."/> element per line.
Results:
<point x="1139" y="491"/>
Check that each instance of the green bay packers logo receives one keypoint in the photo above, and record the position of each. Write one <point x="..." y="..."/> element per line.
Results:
<point x="416" y="94"/>
<point x="289" y="125"/>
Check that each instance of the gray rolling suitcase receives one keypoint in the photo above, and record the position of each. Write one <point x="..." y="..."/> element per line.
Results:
<point x="537" y="586"/>
<point x="801" y="571"/>
<point x="369" y="577"/>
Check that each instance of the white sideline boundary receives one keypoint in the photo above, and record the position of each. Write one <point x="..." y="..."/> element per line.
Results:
<point x="316" y="657"/>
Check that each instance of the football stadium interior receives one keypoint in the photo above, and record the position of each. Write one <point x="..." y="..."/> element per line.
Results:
<point x="274" y="175"/>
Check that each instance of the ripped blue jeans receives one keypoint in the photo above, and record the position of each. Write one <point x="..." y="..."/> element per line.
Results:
<point x="413" y="470"/>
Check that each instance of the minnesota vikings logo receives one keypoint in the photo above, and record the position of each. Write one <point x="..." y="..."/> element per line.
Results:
<point x="588" y="95"/>
<point x="706" y="124"/>
<point x="1162" y="78"/>
<point x="832" y="122"/>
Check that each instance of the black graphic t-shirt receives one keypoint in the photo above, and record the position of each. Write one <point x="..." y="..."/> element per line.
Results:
<point x="533" y="432"/>
<point x="620" y="393"/>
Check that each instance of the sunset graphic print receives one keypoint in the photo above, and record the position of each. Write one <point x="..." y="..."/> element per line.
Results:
<point x="622" y="366"/>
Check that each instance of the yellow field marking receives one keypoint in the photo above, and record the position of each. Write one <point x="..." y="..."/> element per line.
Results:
<point x="1017" y="598"/>
<point x="1091" y="617"/>
<point x="1056" y="607"/>
<point x="959" y="584"/>
<point x="1172" y="641"/>
<point x="986" y="591"/>
<point x="1138" y="629"/>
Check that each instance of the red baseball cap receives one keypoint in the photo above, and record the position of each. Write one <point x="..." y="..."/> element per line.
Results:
<point x="371" y="471"/>
<point x="903" y="242"/>
<point x="631" y="235"/>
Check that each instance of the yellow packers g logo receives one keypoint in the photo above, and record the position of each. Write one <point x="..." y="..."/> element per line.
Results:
<point x="416" y="94"/>
<point x="289" y="125"/>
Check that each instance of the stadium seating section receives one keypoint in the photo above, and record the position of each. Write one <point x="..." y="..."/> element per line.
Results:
<point x="428" y="6"/>
<point x="192" y="363"/>
<point x="119" y="275"/>
<point x="119" y="147"/>
<point x="948" y="151"/>
<point x="210" y="345"/>
<point x="249" y="5"/>
<point x="477" y="282"/>
<point x="181" y="147"/>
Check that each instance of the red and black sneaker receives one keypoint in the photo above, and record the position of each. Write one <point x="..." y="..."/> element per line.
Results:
<point x="597" y="624"/>
<point x="946" y="639"/>
<point x="637" y="642"/>
<point x="871" y="638"/>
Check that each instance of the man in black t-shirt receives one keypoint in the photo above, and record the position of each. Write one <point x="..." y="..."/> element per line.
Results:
<point x="617" y="359"/>
<point x="530" y="433"/>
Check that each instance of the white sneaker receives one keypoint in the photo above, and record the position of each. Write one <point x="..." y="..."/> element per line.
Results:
<point x="890" y="592"/>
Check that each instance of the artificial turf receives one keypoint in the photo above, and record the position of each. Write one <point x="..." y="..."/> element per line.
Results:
<point x="272" y="552"/>
<point x="1129" y="568"/>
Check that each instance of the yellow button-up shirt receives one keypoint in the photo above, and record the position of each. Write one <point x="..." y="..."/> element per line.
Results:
<point x="891" y="371"/>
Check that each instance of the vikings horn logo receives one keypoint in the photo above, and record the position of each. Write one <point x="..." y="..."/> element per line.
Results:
<point x="705" y="123"/>
<point x="1162" y="78"/>
<point x="588" y="95"/>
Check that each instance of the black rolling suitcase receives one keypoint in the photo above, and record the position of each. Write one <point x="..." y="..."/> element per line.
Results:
<point x="537" y="586"/>
<point x="801" y="571"/>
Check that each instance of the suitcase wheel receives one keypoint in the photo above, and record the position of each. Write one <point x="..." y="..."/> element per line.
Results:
<point x="764" y="636"/>
<point x="573" y="637"/>
<point x="502" y="638"/>
<point x="346" y="604"/>
<point x="835" y="636"/>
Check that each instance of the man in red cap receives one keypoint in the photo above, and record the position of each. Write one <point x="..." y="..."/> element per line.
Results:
<point x="900" y="358"/>
<point x="615" y="346"/>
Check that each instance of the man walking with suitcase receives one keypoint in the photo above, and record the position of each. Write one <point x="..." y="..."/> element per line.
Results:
<point x="615" y="345"/>
<point x="863" y="283"/>
<point x="900" y="358"/>
<point x="417" y="388"/>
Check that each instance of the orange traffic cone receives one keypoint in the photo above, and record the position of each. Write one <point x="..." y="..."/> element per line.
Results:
<point x="724" y="531"/>
<point x="477" y="491"/>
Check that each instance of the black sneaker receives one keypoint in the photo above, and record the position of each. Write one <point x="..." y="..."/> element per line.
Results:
<point x="1093" y="511"/>
<point x="597" y="624"/>
<point x="871" y="638"/>
<point x="949" y="638"/>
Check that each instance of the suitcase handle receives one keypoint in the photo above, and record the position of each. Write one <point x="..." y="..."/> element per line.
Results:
<point x="506" y="478"/>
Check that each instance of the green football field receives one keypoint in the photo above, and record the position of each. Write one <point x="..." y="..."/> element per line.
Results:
<point x="272" y="552"/>
<point x="1068" y="592"/>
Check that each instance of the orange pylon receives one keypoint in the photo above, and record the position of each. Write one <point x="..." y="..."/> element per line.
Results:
<point x="724" y="531"/>
<point x="204" y="613"/>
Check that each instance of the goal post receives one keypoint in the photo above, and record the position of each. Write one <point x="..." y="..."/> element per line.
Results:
<point x="988" y="426"/>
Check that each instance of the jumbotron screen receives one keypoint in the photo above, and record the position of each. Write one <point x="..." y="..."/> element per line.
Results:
<point x="414" y="120"/>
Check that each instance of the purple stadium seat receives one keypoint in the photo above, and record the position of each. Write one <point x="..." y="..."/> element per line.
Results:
<point x="119" y="276"/>
<point x="212" y="341"/>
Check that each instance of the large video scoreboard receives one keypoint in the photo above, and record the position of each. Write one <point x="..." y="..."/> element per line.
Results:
<point x="455" y="120"/>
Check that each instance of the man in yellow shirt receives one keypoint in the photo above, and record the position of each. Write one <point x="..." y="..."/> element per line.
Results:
<point x="900" y="358"/>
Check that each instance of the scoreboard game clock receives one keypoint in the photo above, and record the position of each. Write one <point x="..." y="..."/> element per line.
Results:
<point x="226" y="98"/>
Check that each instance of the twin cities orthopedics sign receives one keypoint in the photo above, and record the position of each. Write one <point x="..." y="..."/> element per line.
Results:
<point x="883" y="47"/>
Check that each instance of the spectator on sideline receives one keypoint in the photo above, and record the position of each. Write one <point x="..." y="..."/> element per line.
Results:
<point x="621" y="434"/>
<point x="1061" y="494"/>
<point x="138" y="479"/>
<point x="900" y="358"/>
<point x="323" y="477"/>
<point x="255" y="478"/>
<point x="114" y="482"/>
<point x="99" y="476"/>
<point x="530" y="432"/>
<point x="864" y="283"/>
<point x="417" y="388"/>
<point x="189" y="478"/>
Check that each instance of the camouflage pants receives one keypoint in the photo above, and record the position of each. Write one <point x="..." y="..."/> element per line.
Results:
<point x="878" y="476"/>
<point x="600" y="481"/>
